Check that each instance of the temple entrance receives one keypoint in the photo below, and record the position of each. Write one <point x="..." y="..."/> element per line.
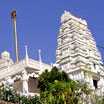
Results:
<point x="33" y="85"/>
<point x="95" y="83"/>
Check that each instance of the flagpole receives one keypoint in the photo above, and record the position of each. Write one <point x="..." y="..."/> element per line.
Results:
<point x="13" y="15"/>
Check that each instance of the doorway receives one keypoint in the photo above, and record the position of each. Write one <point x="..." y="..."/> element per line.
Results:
<point x="95" y="83"/>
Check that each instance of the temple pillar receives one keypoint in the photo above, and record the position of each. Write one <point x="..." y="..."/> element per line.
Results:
<point x="25" y="83"/>
<point x="86" y="77"/>
<point x="82" y="76"/>
<point x="91" y="82"/>
<point x="101" y="85"/>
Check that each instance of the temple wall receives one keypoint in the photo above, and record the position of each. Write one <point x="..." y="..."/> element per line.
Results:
<point x="18" y="85"/>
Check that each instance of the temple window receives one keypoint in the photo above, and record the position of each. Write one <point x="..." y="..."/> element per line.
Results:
<point x="33" y="85"/>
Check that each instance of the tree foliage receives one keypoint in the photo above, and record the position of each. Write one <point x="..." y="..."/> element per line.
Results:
<point x="49" y="77"/>
<point x="57" y="88"/>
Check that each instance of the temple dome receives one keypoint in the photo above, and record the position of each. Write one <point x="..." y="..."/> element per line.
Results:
<point x="5" y="55"/>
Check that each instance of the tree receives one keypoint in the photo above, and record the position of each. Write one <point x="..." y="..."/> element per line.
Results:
<point x="49" y="77"/>
<point x="57" y="88"/>
<point x="7" y="93"/>
<point x="60" y="92"/>
<point x="36" y="100"/>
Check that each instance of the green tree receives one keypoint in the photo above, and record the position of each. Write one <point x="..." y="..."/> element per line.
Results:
<point x="36" y="100"/>
<point x="57" y="88"/>
<point x="7" y="93"/>
<point x="60" y="92"/>
<point x="49" y="77"/>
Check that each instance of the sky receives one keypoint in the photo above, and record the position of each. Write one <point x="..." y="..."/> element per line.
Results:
<point x="38" y="23"/>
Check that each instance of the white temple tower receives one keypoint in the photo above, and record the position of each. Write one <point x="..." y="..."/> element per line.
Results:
<point x="77" y="53"/>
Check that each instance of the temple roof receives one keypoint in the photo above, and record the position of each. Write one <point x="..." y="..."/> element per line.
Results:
<point x="17" y="68"/>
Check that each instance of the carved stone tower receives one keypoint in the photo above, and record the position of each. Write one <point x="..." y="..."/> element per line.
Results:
<point x="76" y="52"/>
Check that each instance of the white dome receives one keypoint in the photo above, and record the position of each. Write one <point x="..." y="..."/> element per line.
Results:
<point x="5" y="55"/>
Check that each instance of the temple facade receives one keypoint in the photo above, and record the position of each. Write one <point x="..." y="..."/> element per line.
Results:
<point x="77" y="53"/>
<point x="22" y="76"/>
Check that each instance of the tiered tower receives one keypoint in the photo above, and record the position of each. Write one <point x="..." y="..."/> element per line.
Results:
<point x="76" y="52"/>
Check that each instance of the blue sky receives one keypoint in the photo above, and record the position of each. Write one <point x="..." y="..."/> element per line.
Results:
<point x="38" y="22"/>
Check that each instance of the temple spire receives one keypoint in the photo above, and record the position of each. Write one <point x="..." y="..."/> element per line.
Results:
<point x="26" y="54"/>
<point x="40" y="59"/>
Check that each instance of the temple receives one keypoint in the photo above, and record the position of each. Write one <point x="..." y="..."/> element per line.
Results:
<point x="77" y="53"/>
<point x="22" y="76"/>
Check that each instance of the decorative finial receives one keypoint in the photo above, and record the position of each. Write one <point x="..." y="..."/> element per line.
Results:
<point x="65" y="16"/>
<point x="26" y="54"/>
<point x="13" y="14"/>
<point x="40" y="59"/>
